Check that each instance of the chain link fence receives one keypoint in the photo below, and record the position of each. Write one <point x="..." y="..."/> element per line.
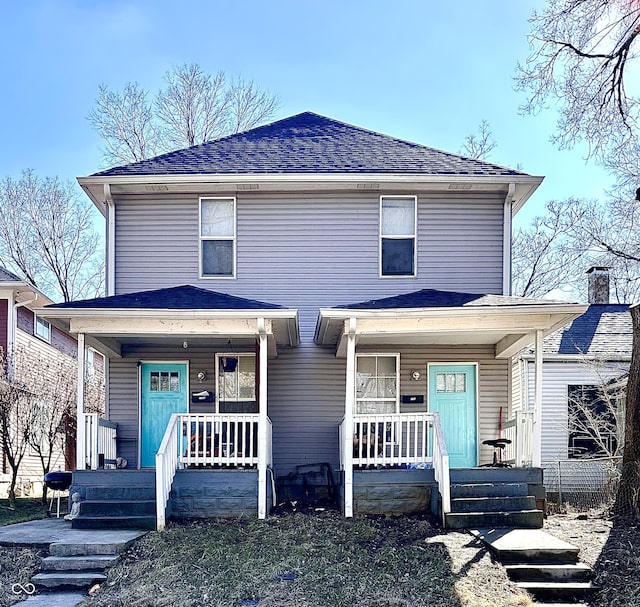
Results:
<point x="581" y="484"/>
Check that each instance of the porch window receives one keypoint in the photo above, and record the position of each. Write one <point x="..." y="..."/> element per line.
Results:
<point x="377" y="383"/>
<point x="43" y="329"/>
<point x="236" y="383"/>
<point x="398" y="235"/>
<point x="217" y="237"/>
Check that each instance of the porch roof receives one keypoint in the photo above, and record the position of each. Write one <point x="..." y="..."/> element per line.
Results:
<point x="174" y="315"/>
<point x="431" y="317"/>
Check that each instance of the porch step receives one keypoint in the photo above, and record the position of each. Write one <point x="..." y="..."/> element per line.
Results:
<point x="489" y="489"/>
<point x="493" y="504"/>
<point x="525" y="519"/>
<point x="118" y="507"/>
<point x="114" y="522"/>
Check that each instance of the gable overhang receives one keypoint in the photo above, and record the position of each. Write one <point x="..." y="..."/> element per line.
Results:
<point x="508" y="329"/>
<point x="108" y="329"/>
<point x="518" y="187"/>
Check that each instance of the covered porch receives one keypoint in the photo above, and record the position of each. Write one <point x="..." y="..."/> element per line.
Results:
<point x="428" y="380"/>
<point x="187" y="387"/>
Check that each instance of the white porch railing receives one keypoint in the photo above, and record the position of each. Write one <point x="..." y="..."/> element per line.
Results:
<point x="411" y="439"/>
<point x="99" y="441"/>
<point x="519" y="430"/>
<point x="199" y="440"/>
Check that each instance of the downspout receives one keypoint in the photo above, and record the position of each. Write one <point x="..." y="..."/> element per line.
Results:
<point x="506" y="240"/>
<point x="110" y="241"/>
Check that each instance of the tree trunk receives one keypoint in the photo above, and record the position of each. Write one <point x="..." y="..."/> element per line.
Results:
<point x="627" y="503"/>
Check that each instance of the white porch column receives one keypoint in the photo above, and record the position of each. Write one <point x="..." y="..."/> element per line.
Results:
<point x="537" y="411"/>
<point x="262" y="421"/>
<point x="349" y="406"/>
<point x="80" y="428"/>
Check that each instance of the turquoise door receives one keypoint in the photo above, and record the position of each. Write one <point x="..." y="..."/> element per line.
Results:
<point x="163" y="392"/>
<point x="452" y="394"/>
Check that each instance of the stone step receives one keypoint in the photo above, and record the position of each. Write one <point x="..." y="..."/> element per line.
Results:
<point x="118" y="507"/>
<point x="569" y="572"/>
<point x="114" y="522"/>
<point x="78" y="563"/>
<point x="524" y="519"/>
<point x="558" y="590"/>
<point x="90" y="547"/>
<point x="66" y="579"/>
<point x="493" y="504"/>
<point x="489" y="490"/>
<point x="496" y="475"/>
<point x="124" y="493"/>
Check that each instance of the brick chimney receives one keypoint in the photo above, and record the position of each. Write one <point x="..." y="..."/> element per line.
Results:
<point x="598" y="285"/>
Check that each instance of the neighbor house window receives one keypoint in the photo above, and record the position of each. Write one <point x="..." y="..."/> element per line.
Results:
<point x="217" y="237"/>
<point x="593" y="414"/>
<point x="398" y="235"/>
<point x="377" y="383"/>
<point x="43" y="329"/>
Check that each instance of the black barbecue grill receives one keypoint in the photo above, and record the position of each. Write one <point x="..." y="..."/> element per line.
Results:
<point x="58" y="482"/>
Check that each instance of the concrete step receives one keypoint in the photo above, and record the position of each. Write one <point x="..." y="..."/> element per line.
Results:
<point x="489" y="490"/>
<point x="114" y="522"/>
<point x="496" y="475"/>
<point x="118" y="507"/>
<point x="66" y="579"/>
<point x="78" y="563"/>
<point x="524" y="519"/>
<point x="569" y="572"/>
<point x="493" y="504"/>
<point x="90" y="547"/>
<point x="558" y="590"/>
<point x="124" y="493"/>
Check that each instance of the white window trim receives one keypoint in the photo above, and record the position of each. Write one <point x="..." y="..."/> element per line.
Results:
<point x="201" y="238"/>
<point x="38" y="320"/>
<point x="414" y="236"/>
<point x="237" y="355"/>
<point x="395" y="355"/>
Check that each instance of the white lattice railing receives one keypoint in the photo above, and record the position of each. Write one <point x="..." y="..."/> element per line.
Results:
<point x="519" y="430"/>
<point x="99" y="441"/>
<point x="401" y="439"/>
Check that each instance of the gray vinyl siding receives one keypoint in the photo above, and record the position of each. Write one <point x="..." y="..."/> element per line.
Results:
<point x="308" y="253"/>
<point x="557" y="376"/>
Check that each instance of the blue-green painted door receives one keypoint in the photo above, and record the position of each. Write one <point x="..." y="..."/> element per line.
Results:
<point x="163" y="392"/>
<point x="452" y="394"/>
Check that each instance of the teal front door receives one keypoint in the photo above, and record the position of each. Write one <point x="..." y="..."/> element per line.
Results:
<point x="452" y="394"/>
<point x="163" y="392"/>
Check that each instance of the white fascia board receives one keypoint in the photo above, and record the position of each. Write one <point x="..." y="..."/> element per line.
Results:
<point x="583" y="358"/>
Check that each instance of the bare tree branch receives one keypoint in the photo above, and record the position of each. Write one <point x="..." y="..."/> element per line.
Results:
<point x="480" y="145"/>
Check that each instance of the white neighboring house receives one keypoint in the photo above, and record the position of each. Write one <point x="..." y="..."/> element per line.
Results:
<point x="591" y="352"/>
<point x="26" y="339"/>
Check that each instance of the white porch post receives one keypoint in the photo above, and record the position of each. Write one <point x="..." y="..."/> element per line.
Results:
<point x="349" y="406"/>
<point x="262" y="421"/>
<point x="537" y="411"/>
<point x="80" y="428"/>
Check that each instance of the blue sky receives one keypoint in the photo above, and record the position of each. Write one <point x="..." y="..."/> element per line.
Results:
<point x="423" y="70"/>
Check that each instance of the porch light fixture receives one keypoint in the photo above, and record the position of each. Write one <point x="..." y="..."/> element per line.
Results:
<point x="201" y="375"/>
<point x="185" y="345"/>
<point x="416" y="375"/>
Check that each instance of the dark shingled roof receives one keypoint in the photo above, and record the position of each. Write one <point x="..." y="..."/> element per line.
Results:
<point x="185" y="297"/>
<point x="308" y="143"/>
<point x="432" y="298"/>
<point x="604" y="329"/>
<point x="6" y="276"/>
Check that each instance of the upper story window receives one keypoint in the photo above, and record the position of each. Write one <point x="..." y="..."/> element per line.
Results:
<point x="217" y="237"/>
<point x="42" y="329"/>
<point x="398" y="235"/>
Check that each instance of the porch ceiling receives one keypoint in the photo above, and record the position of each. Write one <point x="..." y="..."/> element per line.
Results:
<point x="109" y="329"/>
<point x="508" y="329"/>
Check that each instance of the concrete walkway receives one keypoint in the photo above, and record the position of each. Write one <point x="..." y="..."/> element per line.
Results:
<point x="45" y="532"/>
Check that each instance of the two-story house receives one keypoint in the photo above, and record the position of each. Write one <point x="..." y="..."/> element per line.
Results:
<point x="41" y="359"/>
<point x="305" y="292"/>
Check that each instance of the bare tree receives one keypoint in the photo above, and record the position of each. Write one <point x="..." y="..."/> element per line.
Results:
<point x="47" y="236"/>
<point x="125" y="122"/>
<point x="582" y="52"/>
<point x="194" y="107"/>
<point x="480" y="144"/>
<point x="546" y="255"/>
